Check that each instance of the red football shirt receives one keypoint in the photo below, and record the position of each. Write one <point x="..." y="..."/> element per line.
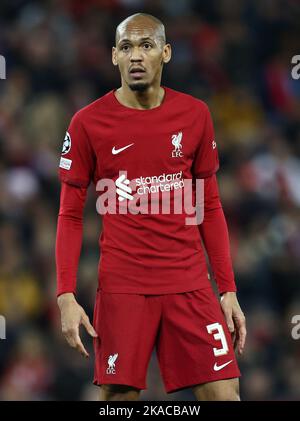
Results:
<point x="144" y="253"/>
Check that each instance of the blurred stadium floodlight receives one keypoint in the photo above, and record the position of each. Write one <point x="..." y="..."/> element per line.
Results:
<point x="2" y="68"/>
<point x="2" y="327"/>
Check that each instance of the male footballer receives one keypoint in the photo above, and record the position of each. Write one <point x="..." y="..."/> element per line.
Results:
<point x="153" y="286"/>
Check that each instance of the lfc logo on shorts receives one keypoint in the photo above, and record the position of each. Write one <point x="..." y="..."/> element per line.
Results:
<point x="111" y="364"/>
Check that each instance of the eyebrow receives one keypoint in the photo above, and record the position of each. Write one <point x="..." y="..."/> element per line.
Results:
<point x="142" y="39"/>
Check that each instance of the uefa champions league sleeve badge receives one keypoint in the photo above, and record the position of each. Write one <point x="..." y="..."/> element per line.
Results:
<point x="67" y="144"/>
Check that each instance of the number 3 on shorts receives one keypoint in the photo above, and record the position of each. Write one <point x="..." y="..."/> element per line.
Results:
<point x="219" y="336"/>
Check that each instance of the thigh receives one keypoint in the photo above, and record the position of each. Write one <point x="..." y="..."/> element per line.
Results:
<point x="195" y="345"/>
<point x="220" y="390"/>
<point x="117" y="392"/>
<point x="126" y="325"/>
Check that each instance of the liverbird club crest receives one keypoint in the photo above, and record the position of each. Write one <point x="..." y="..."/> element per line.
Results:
<point x="176" y="142"/>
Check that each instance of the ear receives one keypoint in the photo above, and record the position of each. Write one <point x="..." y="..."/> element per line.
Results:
<point x="114" y="56"/>
<point x="167" y="53"/>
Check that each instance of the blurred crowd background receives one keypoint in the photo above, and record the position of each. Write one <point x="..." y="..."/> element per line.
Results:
<point x="235" y="55"/>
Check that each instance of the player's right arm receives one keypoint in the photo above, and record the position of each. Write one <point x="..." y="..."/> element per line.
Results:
<point x="68" y="247"/>
<point x="76" y="170"/>
<point x="72" y="316"/>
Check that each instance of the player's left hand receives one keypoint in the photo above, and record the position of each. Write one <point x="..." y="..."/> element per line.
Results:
<point x="235" y="320"/>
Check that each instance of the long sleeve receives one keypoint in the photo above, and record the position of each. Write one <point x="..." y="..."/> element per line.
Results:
<point x="214" y="233"/>
<point x="69" y="236"/>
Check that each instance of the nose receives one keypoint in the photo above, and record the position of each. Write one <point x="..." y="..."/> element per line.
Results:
<point x="136" y="54"/>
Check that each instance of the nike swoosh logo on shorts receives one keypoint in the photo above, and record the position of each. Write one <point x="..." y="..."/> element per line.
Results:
<point x="115" y="151"/>
<point x="219" y="367"/>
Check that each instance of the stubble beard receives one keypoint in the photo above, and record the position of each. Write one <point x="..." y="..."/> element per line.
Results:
<point x="139" y="87"/>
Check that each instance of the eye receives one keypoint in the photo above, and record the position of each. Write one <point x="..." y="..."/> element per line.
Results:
<point x="125" y="47"/>
<point x="147" y="46"/>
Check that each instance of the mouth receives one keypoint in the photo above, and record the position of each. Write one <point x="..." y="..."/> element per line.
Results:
<point x="137" y="72"/>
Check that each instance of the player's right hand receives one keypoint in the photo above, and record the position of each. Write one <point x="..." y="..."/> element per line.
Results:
<point x="72" y="316"/>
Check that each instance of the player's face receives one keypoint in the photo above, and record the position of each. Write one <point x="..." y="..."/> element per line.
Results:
<point x="140" y="55"/>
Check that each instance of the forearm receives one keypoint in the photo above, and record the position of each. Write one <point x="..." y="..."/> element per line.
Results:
<point x="68" y="247"/>
<point x="214" y="232"/>
<point x="69" y="237"/>
<point x="215" y="237"/>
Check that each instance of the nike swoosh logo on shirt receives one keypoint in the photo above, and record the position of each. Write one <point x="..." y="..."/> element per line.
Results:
<point x="115" y="151"/>
<point x="219" y="367"/>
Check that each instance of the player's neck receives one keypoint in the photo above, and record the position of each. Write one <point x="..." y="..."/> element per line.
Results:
<point x="148" y="99"/>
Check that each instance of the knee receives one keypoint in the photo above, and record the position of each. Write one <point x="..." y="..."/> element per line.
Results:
<point x="229" y="393"/>
<point x="116" y="392"/>
<point x="221" y="390"/>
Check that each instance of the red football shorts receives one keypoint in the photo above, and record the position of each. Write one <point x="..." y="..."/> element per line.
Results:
<point x="188" y="330"/>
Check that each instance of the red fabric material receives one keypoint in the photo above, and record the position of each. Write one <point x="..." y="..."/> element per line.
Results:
<point x="69" y="236"/>
<point x="167" y="146"/>
<point x="183" y="327"/>
<point x="214" y="233"/>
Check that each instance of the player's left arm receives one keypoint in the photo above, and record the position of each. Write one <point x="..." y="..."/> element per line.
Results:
<point x="235" y="319"/>
<point x="214" y="232"/>
<point x="213" y="229"/>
